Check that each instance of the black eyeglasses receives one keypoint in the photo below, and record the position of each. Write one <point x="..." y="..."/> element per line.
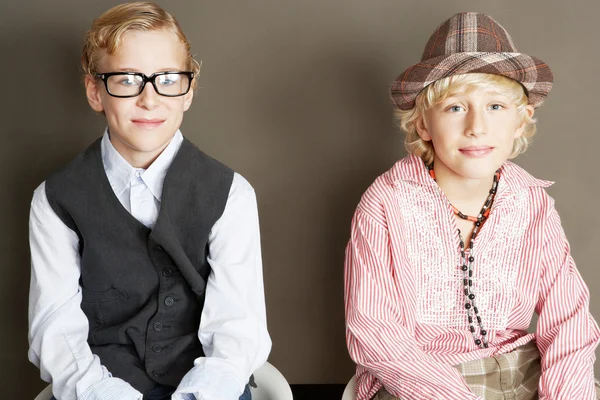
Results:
<point x="131" y="84"/>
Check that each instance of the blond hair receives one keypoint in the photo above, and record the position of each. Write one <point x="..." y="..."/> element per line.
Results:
<point x="466" y="83"/>
<point x="107" y="32"/>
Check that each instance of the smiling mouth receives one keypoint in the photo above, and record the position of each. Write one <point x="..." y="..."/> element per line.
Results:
<point x="476" y="151"/>
<point x="148" y="123"/>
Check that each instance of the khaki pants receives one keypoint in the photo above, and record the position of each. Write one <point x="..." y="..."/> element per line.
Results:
<point x="512" y="376"/>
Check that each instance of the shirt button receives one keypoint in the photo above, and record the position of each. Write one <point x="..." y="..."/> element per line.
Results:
<point x="169" y="301"/>
<point x="167" y="272"/>
<point x="157" y="348"/>
<point x="158" y="326"/>
<point x="139" y="173"/>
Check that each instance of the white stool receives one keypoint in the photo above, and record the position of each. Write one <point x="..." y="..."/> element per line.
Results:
<point x="349" y="393"/>
<point x="46" y="394"/>
<point x="272" y="385"/>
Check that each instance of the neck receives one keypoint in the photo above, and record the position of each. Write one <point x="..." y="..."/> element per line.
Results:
<point x="467" y="194"/>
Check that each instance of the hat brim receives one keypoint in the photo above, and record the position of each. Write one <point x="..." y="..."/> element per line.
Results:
<point x="534" y="74"/>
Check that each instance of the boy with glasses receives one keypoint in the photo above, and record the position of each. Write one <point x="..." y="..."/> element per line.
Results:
<point x="146" y="266"/>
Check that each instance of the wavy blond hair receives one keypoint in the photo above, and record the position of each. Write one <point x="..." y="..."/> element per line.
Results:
<point x="107" y="32"/>
<point x="441" y="89"/>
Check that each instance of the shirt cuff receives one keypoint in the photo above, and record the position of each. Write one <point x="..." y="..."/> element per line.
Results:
<point x="202" y="383"/>
<point x="111" y="389"/>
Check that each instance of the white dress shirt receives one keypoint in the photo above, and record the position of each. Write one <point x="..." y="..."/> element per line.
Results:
<point x="232" y="331"/>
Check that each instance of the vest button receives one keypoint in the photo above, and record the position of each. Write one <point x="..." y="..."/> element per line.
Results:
<point x="159" y="249"/>
<point x="167" y="272"/>
<point x="156" y="375"/>
<point x="158" y="326"/>
<point x="157" y="348"/>
<point x="169" y="301"/>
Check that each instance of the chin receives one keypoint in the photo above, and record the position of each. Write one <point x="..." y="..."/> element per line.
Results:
<point x="144" y="143"/>
<point x="479" y="170"/>
<point x="150" y="146"/>
<point x="151" y="136"/>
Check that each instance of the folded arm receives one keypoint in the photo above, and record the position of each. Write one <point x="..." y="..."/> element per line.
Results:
<point x="58" y="328"/>
<point x="233" y="328"/>
<point x="567" y="335"/>
<point x="377" y="337"/>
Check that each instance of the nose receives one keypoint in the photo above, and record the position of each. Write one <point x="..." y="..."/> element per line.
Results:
<point x="148" y="99"/>
<point x="476" y="123"/>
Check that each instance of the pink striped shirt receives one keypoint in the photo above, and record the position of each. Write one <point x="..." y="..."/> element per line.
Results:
<point x="406" y="324"/>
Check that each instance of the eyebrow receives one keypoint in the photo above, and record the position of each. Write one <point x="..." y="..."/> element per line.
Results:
<point x="453" y="95"/>
<point x="169" y="69"/>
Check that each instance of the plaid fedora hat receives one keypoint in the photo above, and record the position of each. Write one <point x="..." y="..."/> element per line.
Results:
<point x="467" y="43"/>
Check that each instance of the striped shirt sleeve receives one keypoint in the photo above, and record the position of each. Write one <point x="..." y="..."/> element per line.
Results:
<point x="566" y="332"/>
<point x="377" y="337"/>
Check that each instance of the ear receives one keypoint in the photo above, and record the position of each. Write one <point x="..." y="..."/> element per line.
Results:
<point x="529" y="111"/>
<point x="187" y="100"/>
<point x="93" y="93"/>
<point x="421" y="127"/>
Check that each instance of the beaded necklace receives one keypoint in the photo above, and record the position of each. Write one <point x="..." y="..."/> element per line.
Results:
<point x="467" y="262"/>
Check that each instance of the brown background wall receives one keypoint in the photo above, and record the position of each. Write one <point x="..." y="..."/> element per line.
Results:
<point x="294" y="97"/>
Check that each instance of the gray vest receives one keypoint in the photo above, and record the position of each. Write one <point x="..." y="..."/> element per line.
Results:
<point x="143" y="290"/>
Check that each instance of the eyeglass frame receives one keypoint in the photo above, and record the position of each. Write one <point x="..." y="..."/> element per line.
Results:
<point x="145" y="79"/>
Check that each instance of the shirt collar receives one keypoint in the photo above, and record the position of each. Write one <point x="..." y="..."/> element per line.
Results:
<point x="154" y="176"/>
<point x="120" y="173"/>
<point x="516" y="177"/>
<point x="412" y="168"/>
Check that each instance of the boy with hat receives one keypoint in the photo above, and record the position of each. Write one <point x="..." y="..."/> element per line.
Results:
<point x="454" y="248"/>
<point x="146" y="266"/>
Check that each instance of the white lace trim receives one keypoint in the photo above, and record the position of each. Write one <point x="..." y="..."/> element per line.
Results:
<point x="433" y="253"/>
